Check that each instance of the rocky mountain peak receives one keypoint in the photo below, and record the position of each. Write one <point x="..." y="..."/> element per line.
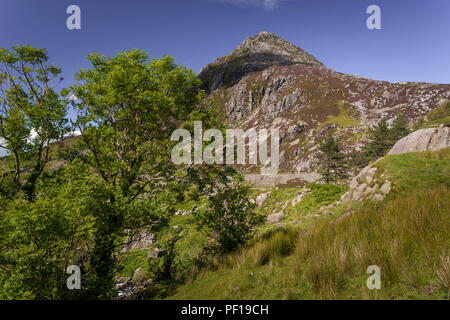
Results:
<point x="267" y="82"/>
<point x="254" y="54"/>
<point x="267" y="42"/>
<point x="262" y="41"/>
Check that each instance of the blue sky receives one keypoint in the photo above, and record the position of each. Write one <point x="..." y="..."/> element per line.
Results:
<point x="413" y="44"/>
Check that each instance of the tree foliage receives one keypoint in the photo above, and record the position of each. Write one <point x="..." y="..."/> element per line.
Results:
<point x="381" y="139"/>
<point x="228" y="218"/>
<point x="128" y="106"/>
<point x="116" y="181"/>
<point x="333" y="163"/>
<point x="32" y="114"/>
<point x="40" y="239"/>
<point x="399" y="128"/>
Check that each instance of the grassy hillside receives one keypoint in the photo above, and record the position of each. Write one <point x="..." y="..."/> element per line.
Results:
<point x="406" y="236"/>
<point x="317" y="195"/>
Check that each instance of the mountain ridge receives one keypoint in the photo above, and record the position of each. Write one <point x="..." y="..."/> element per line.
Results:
<point x="306" y="100"/>
<point x="253" y="54"/>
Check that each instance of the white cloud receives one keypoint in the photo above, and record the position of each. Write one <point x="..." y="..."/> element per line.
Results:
<point x="270" y="4"/>
<point x="266" y="4"/>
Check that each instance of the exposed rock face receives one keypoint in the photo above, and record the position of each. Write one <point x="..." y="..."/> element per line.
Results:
<point x="254" y="54"/>
<point x="423" y="140"/>
<point x="127" y="288"/>
<point x="386" y="187"/>
<point x="297" y="199"/>
<point x="268" y="82"/>
<point x="365" y="186"/>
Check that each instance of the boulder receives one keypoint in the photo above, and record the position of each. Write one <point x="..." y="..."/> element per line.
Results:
<point x="378" y="197"/>
<point x="275" y="218"/>
<point x="423" y="140"/>
<point x="261" y="198"/>
<point x="354" y="183"/>
<point x="386" y="187"/>
<point x="370" y="172"/>
<point x="359" y="192"/>
<point x="296" y="200"/>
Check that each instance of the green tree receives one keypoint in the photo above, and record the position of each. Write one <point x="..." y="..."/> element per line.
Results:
<point x="439" y="112"/>
<point x="380" y="142"/>
<point x="166" y="266"/>
<point x="31" y="113"/>
<point x="40" y="239"/>
<point x="332" y="161"/>
<point x="399" y="129"/>
<point x="128" y="107"/>
<point x="122" y="181"/>
<point x="229" y="217"/>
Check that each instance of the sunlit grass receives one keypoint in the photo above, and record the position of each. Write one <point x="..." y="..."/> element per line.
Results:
<point x="407" y="238"/>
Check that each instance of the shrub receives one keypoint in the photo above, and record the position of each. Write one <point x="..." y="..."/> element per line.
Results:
<point x="229" y="218"/>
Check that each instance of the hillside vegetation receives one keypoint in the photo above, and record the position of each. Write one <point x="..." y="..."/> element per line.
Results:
<point x="114" y="205"/>
<point x="406" y="236"/>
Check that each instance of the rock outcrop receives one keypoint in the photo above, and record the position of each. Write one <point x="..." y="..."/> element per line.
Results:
<point x="275" y="218"/>
<point x="423" y="140"/>
<point x="366" y="186"/>
<point x="261" y="198"/>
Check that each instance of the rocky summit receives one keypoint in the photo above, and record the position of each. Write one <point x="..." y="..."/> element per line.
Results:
<point x="254" y="54"/>
<point x="267" y="82"/>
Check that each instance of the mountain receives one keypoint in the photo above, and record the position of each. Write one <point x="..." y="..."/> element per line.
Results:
<point x="268" y="82"/>
<point x="254" y="54"/>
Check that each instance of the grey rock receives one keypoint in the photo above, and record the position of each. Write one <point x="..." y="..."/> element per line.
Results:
<point x="275" y="218"/>
<point x="254" y="54"/>
<point x="386" y="187"/>
<point x="155" y="253"/>
<point x="359" y="192"/>
<point x="378" y="197"/>
<point x="261" y="198"/>
<point x="423" y="140"/>
<point x="296" y="199"/>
